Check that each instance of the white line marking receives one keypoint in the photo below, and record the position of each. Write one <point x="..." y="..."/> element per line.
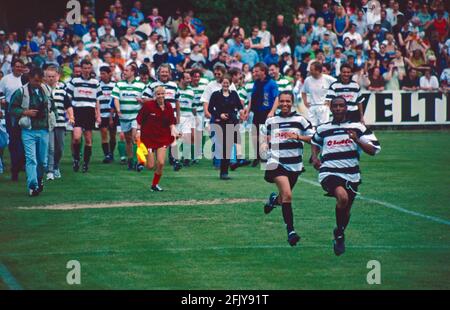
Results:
<point x="8" y="278"/>
<point x="130" y="204"/>
<point x="391" y="206"/>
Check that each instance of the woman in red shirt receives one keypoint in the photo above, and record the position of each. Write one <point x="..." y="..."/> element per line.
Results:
<point x="156" y="129"/>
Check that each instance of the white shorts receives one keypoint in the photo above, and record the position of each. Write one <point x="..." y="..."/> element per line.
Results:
<point x="187" y="123"/>
<point x="199" y="121"/>
<point x="318" y="115"/>
<point x="127" y="126"/>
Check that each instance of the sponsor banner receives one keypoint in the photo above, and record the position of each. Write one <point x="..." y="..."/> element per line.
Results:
<point x="406" y="108"/>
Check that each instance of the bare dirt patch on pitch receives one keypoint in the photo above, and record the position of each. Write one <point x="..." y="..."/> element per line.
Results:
<point x="124" y="204"/>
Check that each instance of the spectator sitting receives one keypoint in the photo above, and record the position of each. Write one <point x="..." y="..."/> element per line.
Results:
<point x="411" y="81"/>
<point x="376" y="80"/>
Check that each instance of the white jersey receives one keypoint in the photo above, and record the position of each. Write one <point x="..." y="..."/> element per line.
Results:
<point x="283" y="151"/>
<point x="105" y="98"/>
<point x="211" y="88"/>
<point x="317" y="89"/>
<point x="340" y="154"/>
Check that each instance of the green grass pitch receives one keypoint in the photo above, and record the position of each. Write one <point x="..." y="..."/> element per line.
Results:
<point x="233" y="245"/>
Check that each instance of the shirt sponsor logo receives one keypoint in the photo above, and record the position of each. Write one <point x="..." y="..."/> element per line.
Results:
<point x="338" y="143"/>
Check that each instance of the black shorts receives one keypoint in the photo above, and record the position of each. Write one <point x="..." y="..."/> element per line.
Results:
<point x="354" y="116"/>
<point x="84" y="118"/>
<point x="331" y="182"/>
<point x="271" y="174"/>
<point x="105" y="123"/>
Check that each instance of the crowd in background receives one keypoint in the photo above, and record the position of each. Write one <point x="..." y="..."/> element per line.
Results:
<point x="389" y="45"/>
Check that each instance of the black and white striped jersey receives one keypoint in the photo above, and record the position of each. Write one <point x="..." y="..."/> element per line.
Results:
<point x="84" y="93"/>
<point x="62" y="103"/>
<point x="105" y="98"/>
<point x="284" y="151"/>
<point x="340" y="154"/>
<point x="350" y="92"/>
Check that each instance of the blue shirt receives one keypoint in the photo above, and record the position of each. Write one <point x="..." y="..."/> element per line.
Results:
<point x="249" y="57"/>
<point x="235" y="48"/>
<point x="264" y="94"/>
<point x="300" y="50"/>
<point x="271" y="59"/>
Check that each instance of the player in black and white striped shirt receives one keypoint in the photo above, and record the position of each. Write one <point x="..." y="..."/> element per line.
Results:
<point x="286" y="134"/>
<point x="108" y="123"/>
<point x="348" y="89"/>
<point x="340" y="143"/>
<point x="85" y="93"/>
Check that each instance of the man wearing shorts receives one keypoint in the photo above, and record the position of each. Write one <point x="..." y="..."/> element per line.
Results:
<point x="127" y="96"/>
<point x="85" y="93"/>
<point x="340" y="144"/>
<point x="106" y="128"/>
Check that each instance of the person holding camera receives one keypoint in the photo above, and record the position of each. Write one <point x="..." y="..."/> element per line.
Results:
<point x="224" y="107"/>
<point x="35" y="111"/>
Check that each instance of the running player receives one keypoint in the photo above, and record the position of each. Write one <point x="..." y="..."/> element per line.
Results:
<point x="350" y="90"/>
<point x="85" y="92"/>
<point x="172" y="95"/>
<point x="127" y="97"/>
<point x="340" y="143"/>
<point x="107" y="86"/>
<point x="286" y="134"/>
<point x="156" y="129"/>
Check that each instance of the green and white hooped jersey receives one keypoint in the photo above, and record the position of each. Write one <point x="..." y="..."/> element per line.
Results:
<point x="198" y="92"/>
<point x="186" y="101"/>
<point x="243" y="95"/>
<point x="127" y="93"/>
<point x="249" y="89"/>
<point x="283" y="84"/>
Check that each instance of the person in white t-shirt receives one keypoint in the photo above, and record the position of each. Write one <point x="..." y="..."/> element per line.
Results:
<point x="314" y="91"/>
<point x="429" y="81"/>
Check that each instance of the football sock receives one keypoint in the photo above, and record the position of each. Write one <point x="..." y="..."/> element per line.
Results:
<point x="134" y="153"/>
<point x="156" y="178"/>
<point x="112" y="146"/>
<point x="341" y="219"/>
<point x="105" y="147"/>
<point x="87" y="154"/>
<point x="76" y="151"/>
<point x="122" y="149"/>
<point x="288" y="216"/>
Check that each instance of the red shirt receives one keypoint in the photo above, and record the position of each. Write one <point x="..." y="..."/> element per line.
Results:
<point x="155" y="124"/>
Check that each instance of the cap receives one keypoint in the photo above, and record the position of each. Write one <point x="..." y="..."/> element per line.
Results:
<point x="187" y="51"/>
<point x="2" y="32"/>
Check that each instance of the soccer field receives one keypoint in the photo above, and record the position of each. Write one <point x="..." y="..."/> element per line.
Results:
<point x="203" y="233"/>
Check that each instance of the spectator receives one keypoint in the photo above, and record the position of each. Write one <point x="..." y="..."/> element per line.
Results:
<point x="429" y="81"/>
<point x="184" y="40"/>
<point x="160" y="57"/>
<point x="266" y="38"/>
<point x="174" y="21"/>
<point x="300" y="49"/>
<point x="391" y="77"/>
<point x="376" y="80"/>
<point x="248" y="55"/>
<point x="326" y="13"/>
<point x="280" y="31"/>
<point x="203" y="42"/>
<point x="162" y="30"/>
<point x="255" y="42"/>
<point x="283" y="46"/>
<point x="272" y="57"/>
<point x="411" y="81"/>
<point x="353" y="35"/>
<point x="234" y="29"/>
<point x="109" y="39"/>
<point x="341" y="24"/>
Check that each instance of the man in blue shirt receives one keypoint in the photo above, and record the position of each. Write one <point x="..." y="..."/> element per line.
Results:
<point x="264" y="96"/>
<point x="248" y="55"/>
<point x="273" y="57"/>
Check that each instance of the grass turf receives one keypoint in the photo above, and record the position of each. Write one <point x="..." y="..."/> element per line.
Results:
<point x="233" y="246"/>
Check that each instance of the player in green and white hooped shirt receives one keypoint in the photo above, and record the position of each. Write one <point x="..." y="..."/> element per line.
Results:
<point x="198" y="85"/>
<point x="187" y="118"/>
<point x="127" y="102"/>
